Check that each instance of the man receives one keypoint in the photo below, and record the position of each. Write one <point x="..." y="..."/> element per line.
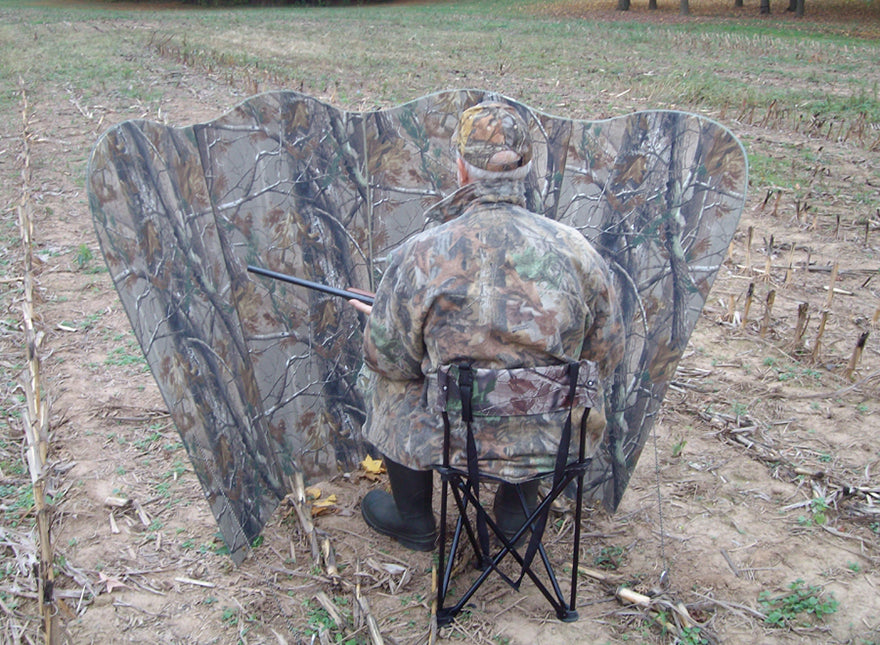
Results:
<point x="494" y="285"/>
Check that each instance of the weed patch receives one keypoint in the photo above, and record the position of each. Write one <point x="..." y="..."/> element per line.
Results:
<point x="801" y="606"/>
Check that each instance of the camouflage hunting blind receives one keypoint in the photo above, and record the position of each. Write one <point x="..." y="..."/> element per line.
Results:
<point x="259" y="375"/>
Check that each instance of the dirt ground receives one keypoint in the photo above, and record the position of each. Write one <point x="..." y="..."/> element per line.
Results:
<point x="764" y="468"/>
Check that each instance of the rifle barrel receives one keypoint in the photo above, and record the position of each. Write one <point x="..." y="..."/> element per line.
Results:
<point x="317" y="286"/>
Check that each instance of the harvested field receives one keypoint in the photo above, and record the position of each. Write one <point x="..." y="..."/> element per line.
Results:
<point x="756" y="505"/>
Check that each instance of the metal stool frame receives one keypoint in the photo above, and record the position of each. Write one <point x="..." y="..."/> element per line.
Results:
<point x="465" y="487"/>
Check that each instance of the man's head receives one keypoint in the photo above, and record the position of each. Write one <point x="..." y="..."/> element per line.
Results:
<point x="492" y="140"/>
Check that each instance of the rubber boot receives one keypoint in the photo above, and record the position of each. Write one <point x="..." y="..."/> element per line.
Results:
<point x="508" y="510"/>
<point x="405" y="515"/>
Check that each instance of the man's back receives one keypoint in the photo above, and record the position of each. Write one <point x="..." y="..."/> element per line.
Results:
<point x="496" y="287"/>
<point x="501" y="287"/>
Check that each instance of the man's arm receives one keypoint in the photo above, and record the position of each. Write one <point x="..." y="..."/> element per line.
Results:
<point x="604" y="340"/>
<point x="393" y="342"/>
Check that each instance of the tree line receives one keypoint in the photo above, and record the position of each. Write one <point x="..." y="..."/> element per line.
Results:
<point x="795" y="6"/>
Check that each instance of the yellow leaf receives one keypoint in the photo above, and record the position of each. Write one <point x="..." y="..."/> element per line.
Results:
<point x="326" y="505"/>
<point x="372" y="466"/>
<point x="313" y="492"/>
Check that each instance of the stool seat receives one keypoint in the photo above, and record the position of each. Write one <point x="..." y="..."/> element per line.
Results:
<point x="572" y="386"/>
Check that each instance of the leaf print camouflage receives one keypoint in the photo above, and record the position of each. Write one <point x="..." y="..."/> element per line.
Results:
<point x="260" y="376"/>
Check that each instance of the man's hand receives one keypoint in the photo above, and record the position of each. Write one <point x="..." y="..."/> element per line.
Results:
<point x="357" y="304"/>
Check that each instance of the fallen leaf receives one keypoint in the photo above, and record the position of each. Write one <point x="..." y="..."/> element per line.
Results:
<point x="386" y="567"/>
<point x="372" y="466"/>
<point x="313" y="492"/>
<point x="326" y="505"/>
<point x="393" y="569"/>
<point x="111" y="583"/>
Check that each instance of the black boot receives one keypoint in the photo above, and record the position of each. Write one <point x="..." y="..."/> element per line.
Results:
<point x="406" y="514"/>
<point x="509" y="513"/>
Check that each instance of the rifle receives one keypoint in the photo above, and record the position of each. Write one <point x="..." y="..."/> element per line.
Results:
<point x="317" y="286"/>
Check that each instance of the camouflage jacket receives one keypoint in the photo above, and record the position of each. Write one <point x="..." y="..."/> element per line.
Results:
<point x="498" y="287"/>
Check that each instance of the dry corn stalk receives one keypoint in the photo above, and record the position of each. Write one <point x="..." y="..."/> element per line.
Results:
<point x="801" y="326"/>
<point x="36" y="415"/>
<point x="769" y="263"/>
<point x="372" y="625"/>
<point x="765" y="324"/>
<point x="789" y="272"/>
<point x="748" y="305"/>
<point x="857" y="354"/>
<point x="751" y="232"/>
<point x="817" y="344"/>
<point x="832" y="282"/>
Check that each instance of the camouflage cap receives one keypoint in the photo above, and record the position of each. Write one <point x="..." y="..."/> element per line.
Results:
<point x="494" y="137"/>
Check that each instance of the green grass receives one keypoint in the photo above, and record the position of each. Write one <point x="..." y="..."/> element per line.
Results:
<point x="127" y="356"/>
<point x="83" y="256"/>
<point x="18" y="504"/>
<point x="565" y="65"/>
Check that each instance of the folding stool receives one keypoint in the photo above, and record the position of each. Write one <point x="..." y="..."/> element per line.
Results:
<point x="568" y="386"/>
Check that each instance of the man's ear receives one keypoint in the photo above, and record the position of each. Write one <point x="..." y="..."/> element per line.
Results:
<point x="463" y="178"/>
